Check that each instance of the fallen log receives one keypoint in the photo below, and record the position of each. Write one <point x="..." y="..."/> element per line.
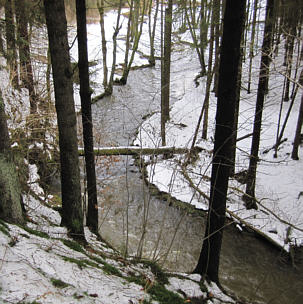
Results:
<point x="133" y="150"/>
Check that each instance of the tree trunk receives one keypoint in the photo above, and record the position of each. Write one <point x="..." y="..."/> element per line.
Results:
<point x="252" y="45"/>
<point x="88" y="138"/>
<point x="103" y="38"/>
<point x="109" y="89"/>
<point x="165" y="71"/>
<point x="11" y="42"/>
<point x="217" y="4"/>
<point x="127" y="43"/>
<point x="10" y="189"/>
<point x="294" y="154"/>
<point x="237" y="107"/>
<point x="137" y="151"/>
<point x="72" y="214"/>
<point x="138" y="33"/>
<point x="209" y="72"/>
<point x="199" y="44"/>
<point x="26" y="71"/>
<point x="249" y="197"/>
<point x="152" y="32"/>
<point x="2" y="52"/>
<point x="135" y="19"/>
<point x="208" y="264"/>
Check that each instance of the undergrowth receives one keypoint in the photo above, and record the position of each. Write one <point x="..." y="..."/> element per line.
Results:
<point x="35" y="232"/>
<point x="159" y="293"/>
<point x="81" y="263"/>
<point x="4" y="228"/>
<point x="58" y="283"/>
<point x="110" y="269"/>
<point x="73" y="245"/>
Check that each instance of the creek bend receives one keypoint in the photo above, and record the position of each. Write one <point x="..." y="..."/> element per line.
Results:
<point x="250" y="267"/>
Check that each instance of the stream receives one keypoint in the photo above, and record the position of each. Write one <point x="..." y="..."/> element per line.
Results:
<point x="250" y="267"/>
<point x="138" y="221"/>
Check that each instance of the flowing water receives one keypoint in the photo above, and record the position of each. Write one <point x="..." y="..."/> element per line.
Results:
<point x="138" y="222"/>
<point x="250" y="267"/>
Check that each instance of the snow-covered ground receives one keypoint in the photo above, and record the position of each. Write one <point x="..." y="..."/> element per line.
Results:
<point x="48" y="267"/>
<point x="279" y="180"/>
<point x="41" y="264"/>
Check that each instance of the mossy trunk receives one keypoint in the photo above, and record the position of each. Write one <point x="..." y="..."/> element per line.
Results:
<point x="10" y="192"/>
<point x="10" y="189"/>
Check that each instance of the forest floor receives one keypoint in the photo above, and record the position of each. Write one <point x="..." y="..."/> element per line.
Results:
<point x="39" y="263"/>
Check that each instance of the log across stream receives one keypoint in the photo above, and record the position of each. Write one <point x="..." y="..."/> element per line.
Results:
<point x="250" y="267"/>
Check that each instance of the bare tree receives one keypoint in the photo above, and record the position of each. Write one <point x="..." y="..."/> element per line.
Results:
<point x="294" y="154"/>
<point x="249" y="196"/>
<point x="152" y="30"/>
<point x="100" y="4"/>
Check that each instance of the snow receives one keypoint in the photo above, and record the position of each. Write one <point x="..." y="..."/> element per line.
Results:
<point x="35" y="261"/>
<point x="31" y="265"/>
<point x="189" y="288"/>
<point x="29" y="262"/>
<point x="278" y="184"/>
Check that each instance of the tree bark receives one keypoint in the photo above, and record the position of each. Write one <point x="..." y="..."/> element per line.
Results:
<point x="152" y="32"/>
<point x="165" y="71"/>
<point x="202" y="41"/>
<point x="208" y="264"/>
<point x="252" y="44"/>
<point x="249" y="197"/>
<point x="297" y="139"/>
<point x="138" y="33"/>
<point x="109" y="88"/>
<point x="11" y="42"/>
<point x="103" y="40"/>
<point x="10" y="189"/>
<point x="209" y="72"/>
<point x="127" y="43"/>
<point x="72" y="215"/>
<point x="88" y="138"/>
<point x="26" y="71"/>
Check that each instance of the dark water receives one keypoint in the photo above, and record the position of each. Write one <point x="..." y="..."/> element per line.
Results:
<point x="250" y="267"/>
<point x="139" y="223"/>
